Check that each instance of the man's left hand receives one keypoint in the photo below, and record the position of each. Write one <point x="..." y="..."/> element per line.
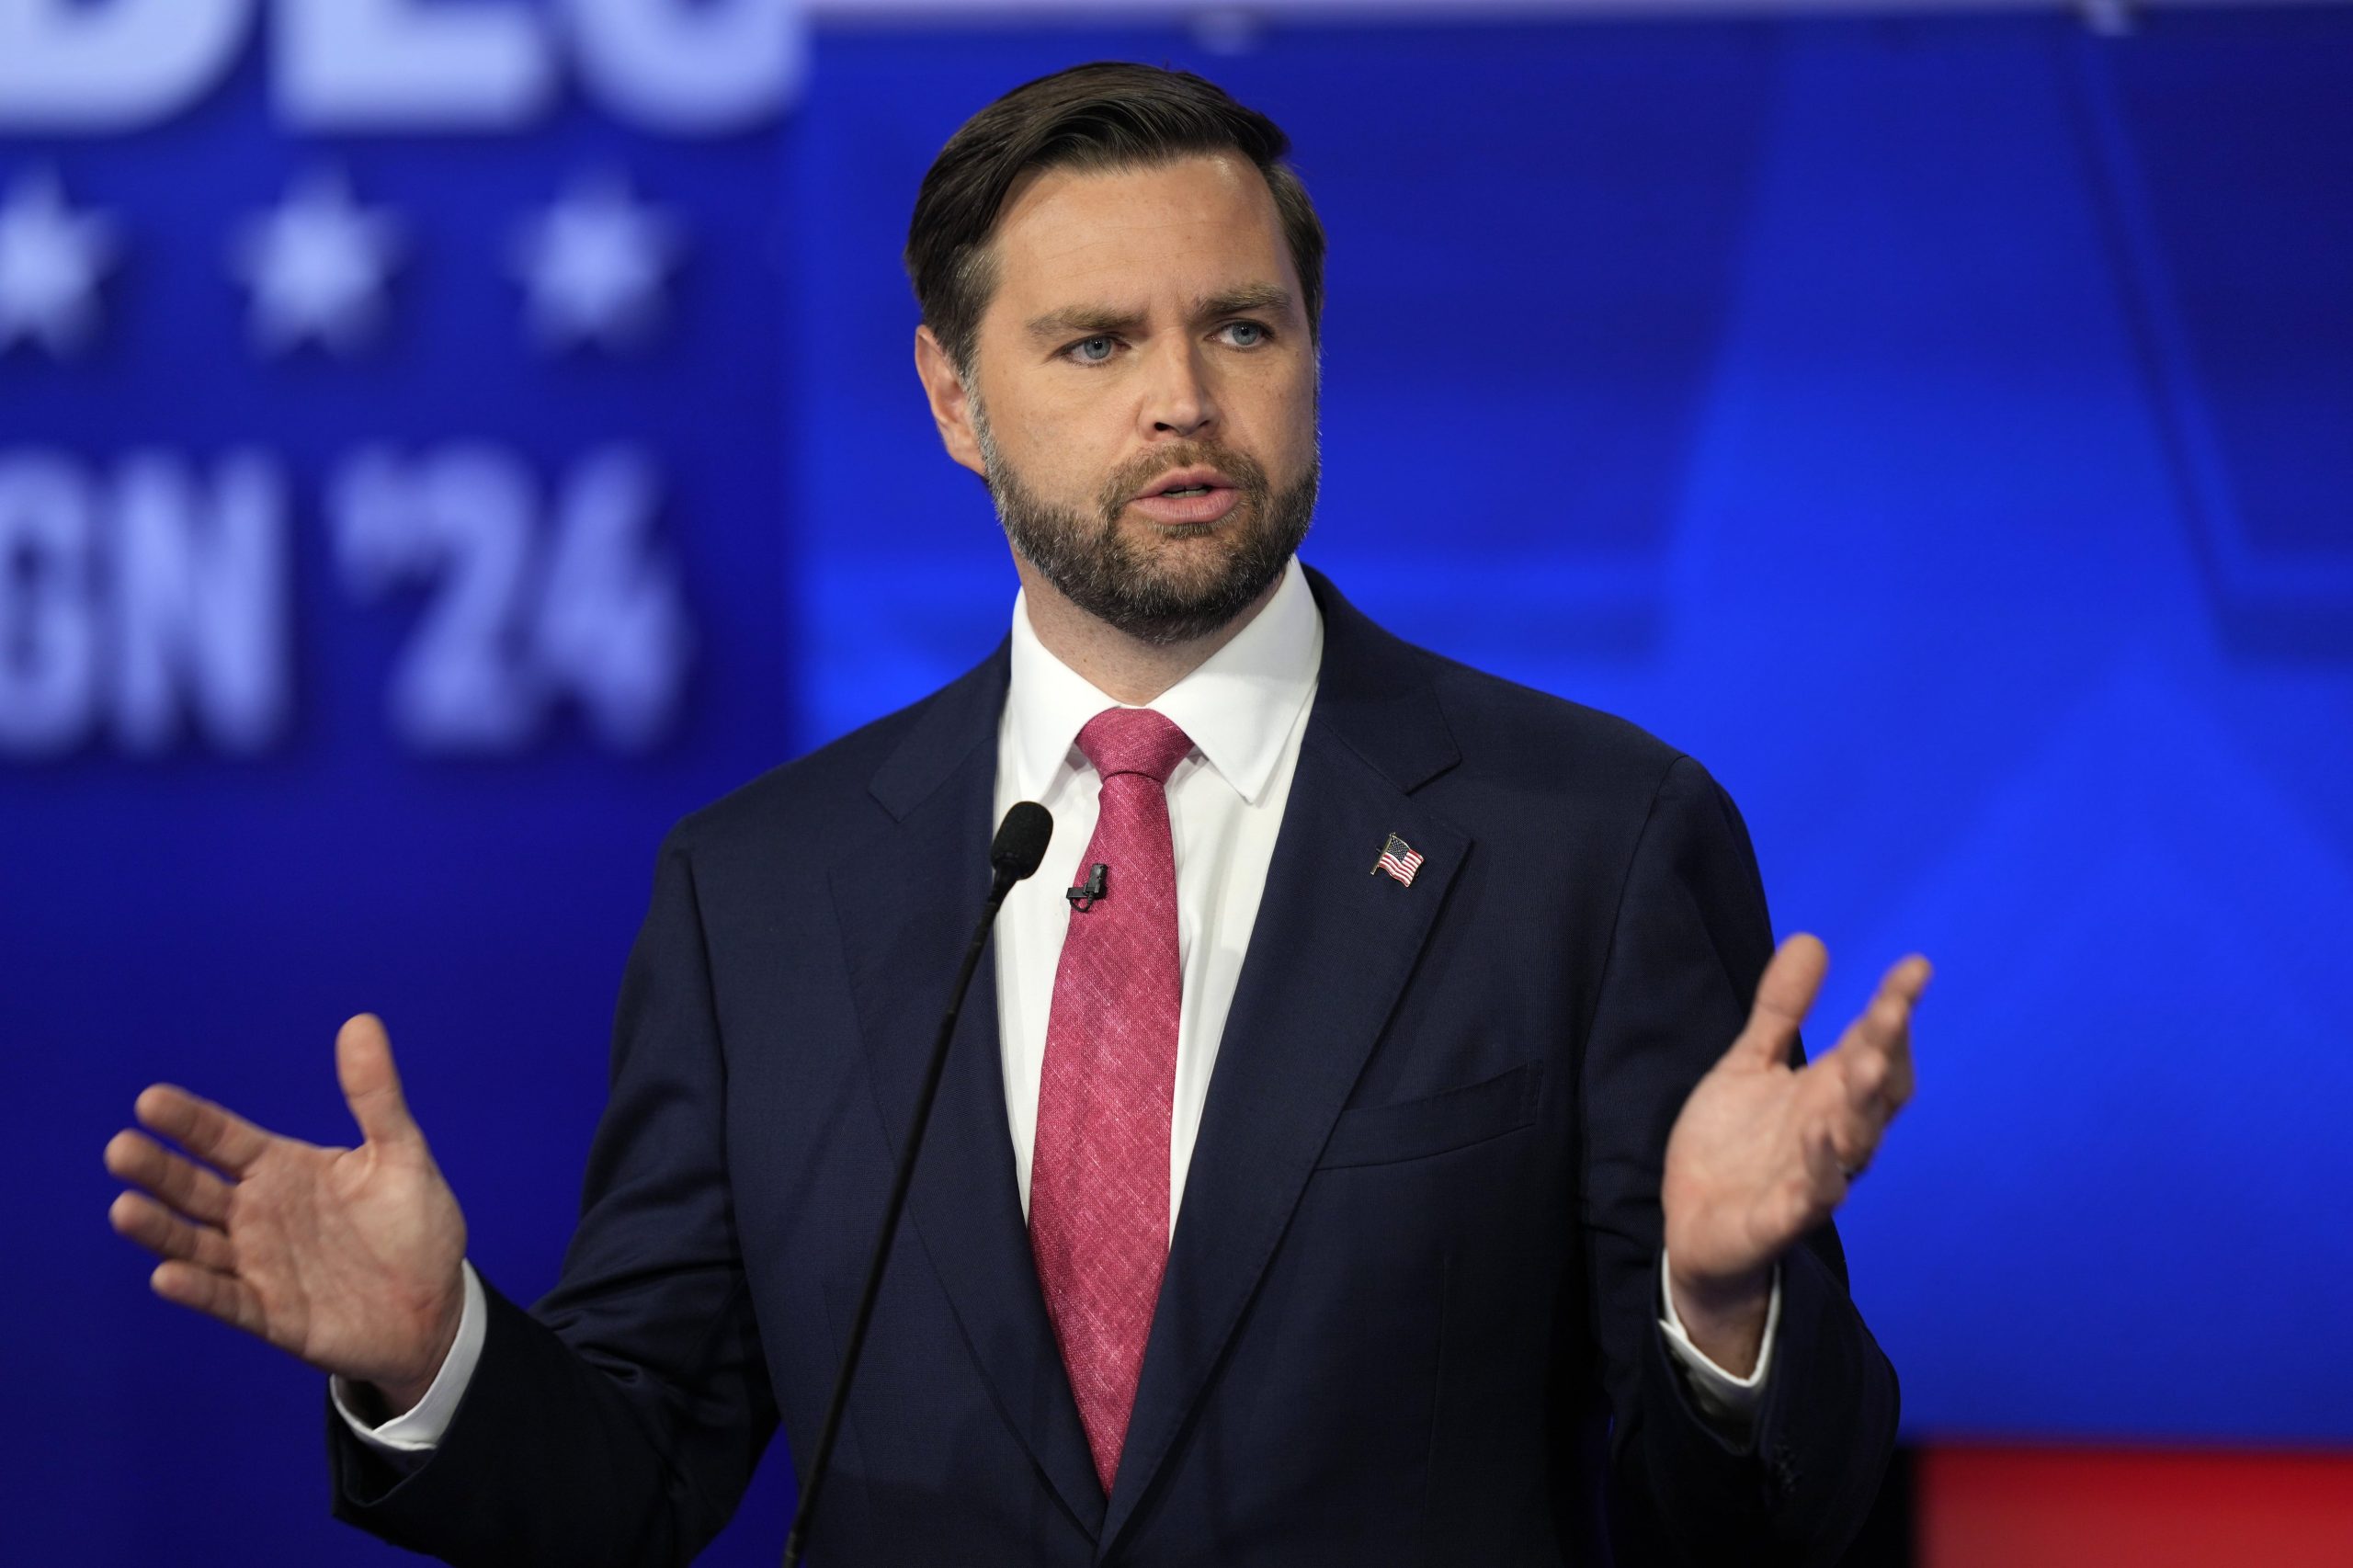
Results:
<point x="1763" y="1152"/>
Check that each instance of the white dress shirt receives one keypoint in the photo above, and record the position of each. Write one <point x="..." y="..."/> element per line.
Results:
<point x="1245" y="710"/>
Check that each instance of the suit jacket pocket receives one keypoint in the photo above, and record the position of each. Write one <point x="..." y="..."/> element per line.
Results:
<point x="1455" y="1119"/>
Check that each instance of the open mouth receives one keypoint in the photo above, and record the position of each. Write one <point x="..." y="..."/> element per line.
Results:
<point x="1193" y="497"/>
<point x="1189" y="483"/>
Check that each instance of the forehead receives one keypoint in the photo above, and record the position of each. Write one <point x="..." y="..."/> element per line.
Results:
<point x="1188" y="227"/>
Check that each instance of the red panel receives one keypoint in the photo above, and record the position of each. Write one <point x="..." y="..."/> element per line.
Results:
<point x="1986" y="1507"/>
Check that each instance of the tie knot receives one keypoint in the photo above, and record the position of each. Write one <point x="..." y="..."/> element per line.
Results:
<point x="1134" y="740"/>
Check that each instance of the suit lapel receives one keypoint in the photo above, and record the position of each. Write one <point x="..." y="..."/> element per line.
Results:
<point x="1328" y="957"/>
<point x="906" y="907"/>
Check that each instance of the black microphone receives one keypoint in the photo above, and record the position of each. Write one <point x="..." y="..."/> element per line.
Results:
<point x="1019" y="849"/>
<point x="1019" y="845"/>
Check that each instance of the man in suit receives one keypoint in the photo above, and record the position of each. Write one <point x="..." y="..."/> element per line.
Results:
<point x="1302" y="1185"/>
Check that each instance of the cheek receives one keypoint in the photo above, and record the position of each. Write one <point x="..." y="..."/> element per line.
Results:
<point x="1281" y="433"/>
<point x="1063" y="456"/>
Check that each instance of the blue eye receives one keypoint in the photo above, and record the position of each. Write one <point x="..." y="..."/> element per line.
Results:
<point x="1077" y="350"/>
<point x="1249" y="326"/>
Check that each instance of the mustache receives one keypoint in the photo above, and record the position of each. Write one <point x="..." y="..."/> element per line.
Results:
<point x="1248" y="474"/>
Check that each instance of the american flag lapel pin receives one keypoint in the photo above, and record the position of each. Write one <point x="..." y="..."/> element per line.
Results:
<point x="1400" y="860"/>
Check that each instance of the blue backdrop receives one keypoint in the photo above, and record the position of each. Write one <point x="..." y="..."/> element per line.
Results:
<point x="1941" y="428"/>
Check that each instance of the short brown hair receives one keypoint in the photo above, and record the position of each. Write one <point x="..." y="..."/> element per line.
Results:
<point x="1111" y="114"/>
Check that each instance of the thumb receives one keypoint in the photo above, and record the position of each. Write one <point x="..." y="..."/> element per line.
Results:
<point x="1784" y="995"/>
<point x="371" y="1085"/>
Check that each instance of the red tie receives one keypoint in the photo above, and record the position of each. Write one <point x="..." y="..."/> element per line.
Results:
<point x="1099" y="1173"/>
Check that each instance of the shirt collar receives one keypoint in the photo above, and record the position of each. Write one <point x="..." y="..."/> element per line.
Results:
<point x="1238" y="707"/>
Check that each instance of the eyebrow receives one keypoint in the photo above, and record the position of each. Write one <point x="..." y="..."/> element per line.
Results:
<point x="1083" y="320"/>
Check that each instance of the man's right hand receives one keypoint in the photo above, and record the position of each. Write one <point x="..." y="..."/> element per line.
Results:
<point x="350" y="1258"/>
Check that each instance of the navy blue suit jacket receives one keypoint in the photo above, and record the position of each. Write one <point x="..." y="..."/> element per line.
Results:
<point x="1419" y="1253"/>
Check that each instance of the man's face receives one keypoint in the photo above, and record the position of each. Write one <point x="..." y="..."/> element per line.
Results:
<point x="1142" y="400"/>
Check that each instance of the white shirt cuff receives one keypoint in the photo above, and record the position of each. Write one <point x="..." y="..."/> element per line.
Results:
<point x="1730" y="1401"/>
<point x="419" y="1430"/>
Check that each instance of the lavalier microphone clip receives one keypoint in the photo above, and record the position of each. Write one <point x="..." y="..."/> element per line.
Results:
<point x="1082" y="897"/>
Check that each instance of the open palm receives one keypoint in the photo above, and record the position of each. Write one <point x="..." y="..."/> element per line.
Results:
<point x="349" y="1259"/>
<point x="1762" y="1152"/>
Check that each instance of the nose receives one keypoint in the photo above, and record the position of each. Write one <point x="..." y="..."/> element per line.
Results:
<point x="1178" y="400"/>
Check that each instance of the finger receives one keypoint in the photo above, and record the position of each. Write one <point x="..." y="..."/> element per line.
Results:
<point x="1909" y="974"/>
<point x="215" y="1294"/>
<point x="1909" y="979"/>
<point x="1853" y="1139"/>
<point x="1818" y="1186"/>
<point x="188" y="1186"/>
<point x="371" y="1085"/>
<point x="1849" y="1104"/>
<point x="218" y="1136"/>
<point x="1870" y="1054"/>
<point x="140" y="1218"/>
<point x="1875" y="1053"/>
<point x="1784" y="994"/>
<point x="1868" y="1084"/>
<point x="1836" y="1140"/>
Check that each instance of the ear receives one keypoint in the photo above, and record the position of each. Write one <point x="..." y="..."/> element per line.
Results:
<point x="951" y="406"/>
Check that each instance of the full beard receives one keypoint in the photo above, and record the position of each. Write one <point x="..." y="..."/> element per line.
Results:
<point x="1108" y="575"/>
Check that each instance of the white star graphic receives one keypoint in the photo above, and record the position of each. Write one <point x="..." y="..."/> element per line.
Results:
<point x="593" y="266"/>
<point x="317" y="264"/>
<point x="50" y="260"/>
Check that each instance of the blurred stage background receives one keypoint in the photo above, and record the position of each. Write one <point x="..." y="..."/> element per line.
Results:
<point x="442" y="443"/>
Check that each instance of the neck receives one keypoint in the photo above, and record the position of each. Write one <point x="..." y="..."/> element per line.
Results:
<point x="1115" y="663"/>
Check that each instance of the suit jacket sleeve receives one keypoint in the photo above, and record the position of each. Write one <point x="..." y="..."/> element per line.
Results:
<point x="619" y="1420"/>
<point x="1691" y="939"/>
